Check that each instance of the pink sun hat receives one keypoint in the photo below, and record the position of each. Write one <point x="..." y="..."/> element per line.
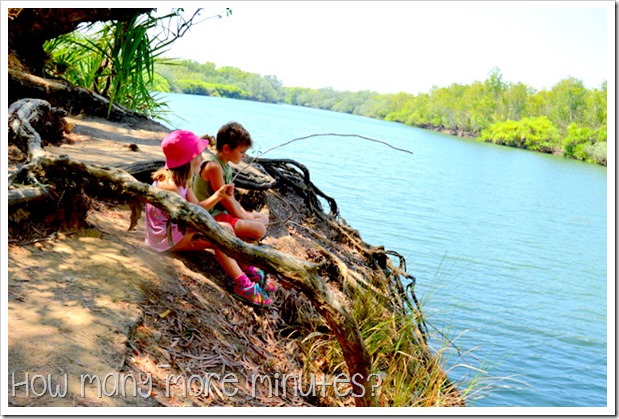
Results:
<point x="181" y="147"/>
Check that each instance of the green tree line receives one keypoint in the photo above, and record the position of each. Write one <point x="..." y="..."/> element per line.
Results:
<point x="568" y="119"/>
<point x="186" y="76"/>
<point x="123" y="62"/>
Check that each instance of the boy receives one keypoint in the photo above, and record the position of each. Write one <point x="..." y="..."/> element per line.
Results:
<point x="232" y="143"/>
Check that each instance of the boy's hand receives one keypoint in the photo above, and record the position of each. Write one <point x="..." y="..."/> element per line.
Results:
<point x="226" y="190"/>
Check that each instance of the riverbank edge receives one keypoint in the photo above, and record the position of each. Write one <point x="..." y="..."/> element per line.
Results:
<point x="57" y="283"/>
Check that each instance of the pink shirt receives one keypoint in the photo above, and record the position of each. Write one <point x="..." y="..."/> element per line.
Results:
<point x="156" y="224"/>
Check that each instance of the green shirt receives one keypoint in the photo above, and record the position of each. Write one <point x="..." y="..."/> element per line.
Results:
<point x="203" y="189"/>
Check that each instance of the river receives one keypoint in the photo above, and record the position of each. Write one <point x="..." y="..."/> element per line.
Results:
<point x="509" y="247"/>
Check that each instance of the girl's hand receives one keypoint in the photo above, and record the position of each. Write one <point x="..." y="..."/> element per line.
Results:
<point x="225" y="191"/>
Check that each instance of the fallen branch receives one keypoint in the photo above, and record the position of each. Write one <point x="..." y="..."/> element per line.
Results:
<point x="27" y="194"/>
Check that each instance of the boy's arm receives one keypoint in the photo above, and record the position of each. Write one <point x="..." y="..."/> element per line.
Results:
<point x="213" y="173"/>
<point x="239" y="211"/>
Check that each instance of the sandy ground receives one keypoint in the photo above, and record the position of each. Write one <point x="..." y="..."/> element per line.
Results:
<point x="73" y="297"/>
<point x="92" y="310"/>
<point x="97" y="141"/>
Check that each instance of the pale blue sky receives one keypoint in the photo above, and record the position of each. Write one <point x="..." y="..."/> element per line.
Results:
<point x="407" y="45"/>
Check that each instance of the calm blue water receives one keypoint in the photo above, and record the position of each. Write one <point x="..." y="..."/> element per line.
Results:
<point x="508" y="246"/>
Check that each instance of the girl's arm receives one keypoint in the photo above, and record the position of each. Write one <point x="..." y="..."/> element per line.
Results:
<point x="211" y="201"/>
<point x="208" y="203"/>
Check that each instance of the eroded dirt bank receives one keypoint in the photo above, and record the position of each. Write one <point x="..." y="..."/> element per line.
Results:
<point x="97" y="319"/>
<point x="97" y="303"/>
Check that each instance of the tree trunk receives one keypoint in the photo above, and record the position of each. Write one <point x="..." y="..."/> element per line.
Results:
<point x="30" y="28"/>
<point x="75" y="178"/>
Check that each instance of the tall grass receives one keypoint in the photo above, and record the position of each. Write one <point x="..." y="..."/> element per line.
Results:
<point x="407" y="372"/>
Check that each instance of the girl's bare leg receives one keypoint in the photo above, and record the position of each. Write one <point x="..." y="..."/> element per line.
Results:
<point x="243" y="287"/>
<point x="229" y="265"/>
<point x="189" y="242"/>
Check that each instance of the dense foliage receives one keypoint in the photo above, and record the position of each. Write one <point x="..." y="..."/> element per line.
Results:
<point x="568" y="119"/>
<point x="116" y="59"/>
<point x="205" y="79"/>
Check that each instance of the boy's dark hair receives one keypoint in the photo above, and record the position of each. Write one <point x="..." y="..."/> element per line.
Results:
<point x="233" y="134"/>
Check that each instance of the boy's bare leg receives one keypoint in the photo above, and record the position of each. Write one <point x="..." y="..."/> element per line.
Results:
<point x="261" y="217"/>
<point x="249" y="230"/>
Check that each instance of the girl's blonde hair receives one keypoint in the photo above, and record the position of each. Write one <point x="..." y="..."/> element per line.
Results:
<point x="181" y="176"/>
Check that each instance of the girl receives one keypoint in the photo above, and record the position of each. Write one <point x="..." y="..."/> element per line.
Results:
<point x="182" y="150"/>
